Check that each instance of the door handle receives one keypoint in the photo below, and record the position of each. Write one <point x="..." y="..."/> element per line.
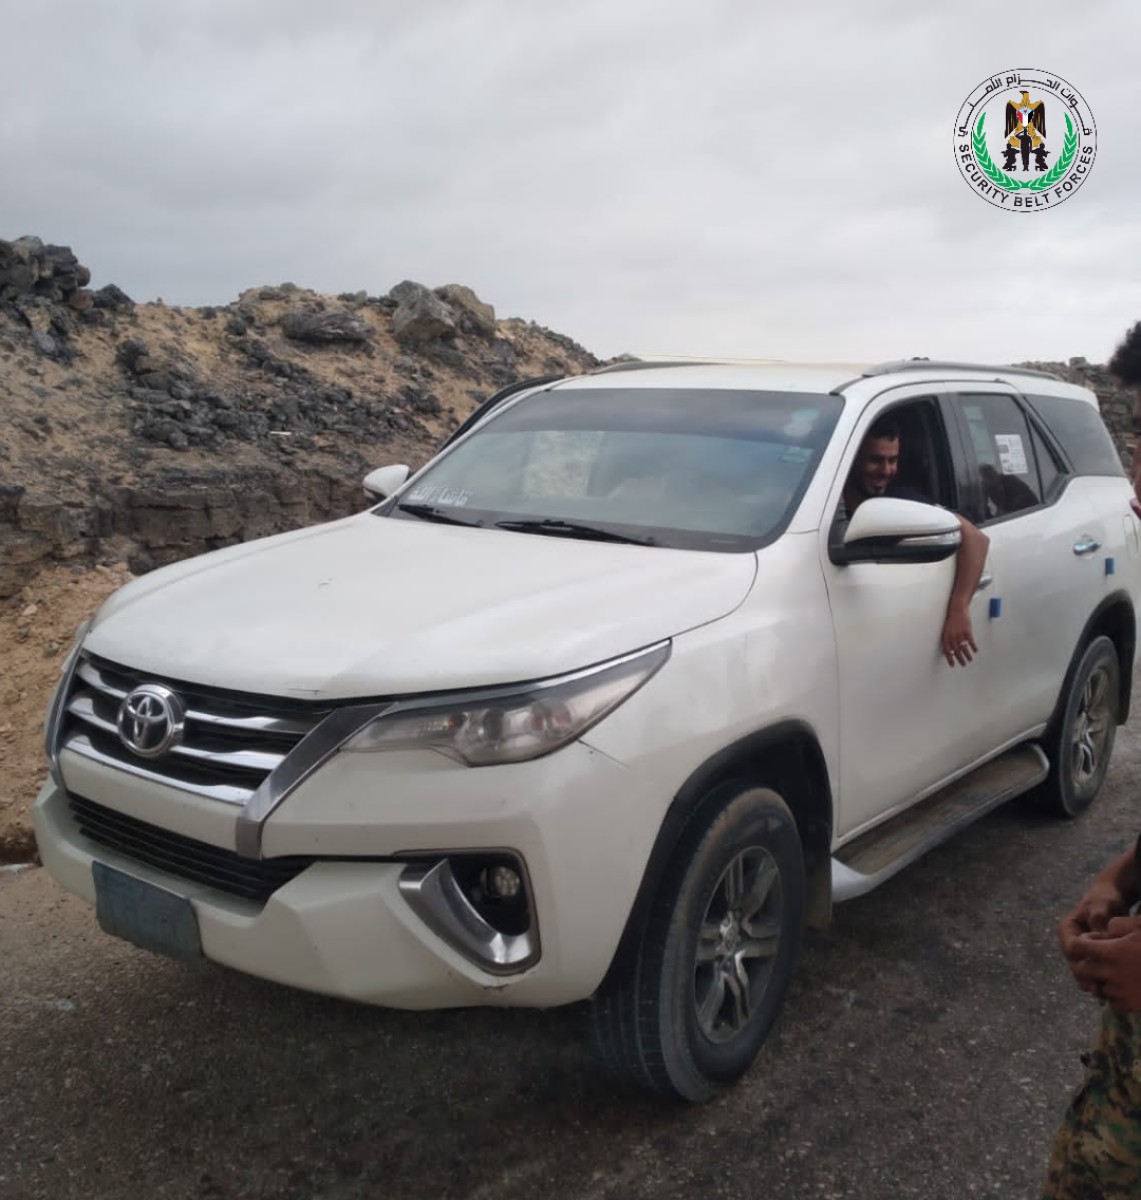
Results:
<point x="1086" y="545"/>
<point x="985" y="580"/>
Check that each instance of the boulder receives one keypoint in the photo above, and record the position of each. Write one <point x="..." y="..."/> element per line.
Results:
<point x="474" y="316"/>
<point x="420" y="316"/>
<point x="336" y="325"/>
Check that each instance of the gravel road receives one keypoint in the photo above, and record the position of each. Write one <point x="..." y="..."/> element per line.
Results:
<point x="927" y="1050"/>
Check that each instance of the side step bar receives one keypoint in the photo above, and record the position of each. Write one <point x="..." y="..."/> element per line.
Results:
<point x="873" y="857"/>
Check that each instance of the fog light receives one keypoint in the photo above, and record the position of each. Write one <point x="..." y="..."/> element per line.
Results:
<point x="502" y="882"/>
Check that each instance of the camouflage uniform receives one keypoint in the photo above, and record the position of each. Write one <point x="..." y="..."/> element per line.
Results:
<point x="1097" y="1151"/>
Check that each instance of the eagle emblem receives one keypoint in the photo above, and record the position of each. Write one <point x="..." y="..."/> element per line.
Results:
<point x="1025" y="133"/>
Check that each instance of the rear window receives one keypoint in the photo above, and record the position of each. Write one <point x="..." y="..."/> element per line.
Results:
<point x="1082" y="434"/>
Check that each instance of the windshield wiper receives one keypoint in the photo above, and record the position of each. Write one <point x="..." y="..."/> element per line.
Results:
<point x="574" y="529"/>
<point x="428" y="512"/>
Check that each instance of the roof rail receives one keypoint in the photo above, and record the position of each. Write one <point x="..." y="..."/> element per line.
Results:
<point x="641" y="362"/>
<point x="924" y="364"/>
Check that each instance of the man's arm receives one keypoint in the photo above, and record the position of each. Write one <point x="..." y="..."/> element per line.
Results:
<point x="958" y="640"/>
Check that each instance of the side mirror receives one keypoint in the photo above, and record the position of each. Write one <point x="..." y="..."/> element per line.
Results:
<point x="381" y="483"/>
<point x="885" y="529"/>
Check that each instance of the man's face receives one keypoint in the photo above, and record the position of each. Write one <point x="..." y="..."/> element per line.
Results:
<point x="876" y="465"/>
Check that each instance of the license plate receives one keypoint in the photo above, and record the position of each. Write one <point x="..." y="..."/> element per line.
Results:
<point x="148" y="916"/>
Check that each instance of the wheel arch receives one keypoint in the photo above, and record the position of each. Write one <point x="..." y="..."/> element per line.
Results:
<point x="1114" y="618"/>
<point x="785" y="757"/>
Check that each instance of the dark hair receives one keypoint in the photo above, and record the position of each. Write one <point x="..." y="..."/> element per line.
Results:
<point x="1125" y="365"/>
<point x="886" y="426"/>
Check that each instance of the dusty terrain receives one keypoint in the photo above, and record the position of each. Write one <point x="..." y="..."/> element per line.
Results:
<point x="35" y="633"/>
<point x="927" y="1051"/>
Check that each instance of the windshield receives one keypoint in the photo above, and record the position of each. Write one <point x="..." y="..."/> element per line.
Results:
<point x="686" y="468"/>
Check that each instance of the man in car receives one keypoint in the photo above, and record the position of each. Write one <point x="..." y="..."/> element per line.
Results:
<point x="873" y="474"/>
<point x="1097" y="1151"/>
<point x="1125" y="367"/>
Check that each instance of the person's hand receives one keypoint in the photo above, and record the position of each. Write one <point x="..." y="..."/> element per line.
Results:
<point x="1107" y="963"/>
<point x="958" y="642"/>
<point x="1102" y="902"/>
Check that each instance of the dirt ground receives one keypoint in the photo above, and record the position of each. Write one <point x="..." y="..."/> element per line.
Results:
<point x="927" y="1051"/>
<point x="36" y="631"/>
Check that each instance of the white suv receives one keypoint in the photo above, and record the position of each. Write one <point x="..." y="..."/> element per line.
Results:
<point x="608" y="701"/>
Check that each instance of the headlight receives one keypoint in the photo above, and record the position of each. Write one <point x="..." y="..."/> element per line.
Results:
<point x="511" y="724"/>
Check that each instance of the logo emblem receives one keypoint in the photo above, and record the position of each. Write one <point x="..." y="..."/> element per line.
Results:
<point x="1025" y="140"/>
<point x="150" y="720"/>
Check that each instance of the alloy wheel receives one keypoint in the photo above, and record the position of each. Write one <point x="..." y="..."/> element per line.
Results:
<point x="737" y="944"/>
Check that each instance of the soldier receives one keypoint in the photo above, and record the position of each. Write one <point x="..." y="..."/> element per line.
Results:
<point x="1125" y="366"/>
<point x="1097" y="1151"/>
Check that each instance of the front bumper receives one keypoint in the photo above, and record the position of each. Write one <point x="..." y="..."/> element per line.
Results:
<point x="344" y="926"/>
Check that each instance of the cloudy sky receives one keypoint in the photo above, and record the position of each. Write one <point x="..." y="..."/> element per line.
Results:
<point x="715" y="177"/>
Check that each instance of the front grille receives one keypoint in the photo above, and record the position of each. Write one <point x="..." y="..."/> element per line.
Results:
<point x="230" y="744"/>
<point x="252" y="878"/>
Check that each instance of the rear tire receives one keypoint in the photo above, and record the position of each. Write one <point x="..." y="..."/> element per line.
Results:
<point x="691" y="1010"/>
<point x="1080" y="749"/>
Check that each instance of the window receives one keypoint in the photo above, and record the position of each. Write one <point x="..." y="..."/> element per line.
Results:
<point x="1082" y="433"/>
<point x="1049" y="469"/>
<point x="1004" y="452"/>
<point x="712" y="469"/>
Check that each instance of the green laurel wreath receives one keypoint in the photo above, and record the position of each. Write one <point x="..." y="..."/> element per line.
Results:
<point x="1040" y="182"/>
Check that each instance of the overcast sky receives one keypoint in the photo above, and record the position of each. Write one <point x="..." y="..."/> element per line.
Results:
<point x="716" y="177"/>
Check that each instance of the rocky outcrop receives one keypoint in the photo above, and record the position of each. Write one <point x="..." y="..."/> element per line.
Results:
<point x="473" y="315"/>
<point x="28" y="267"/>
<point x="420" y="316"/>
<point x="324" y="328"/>
<point x="147" y="433"/>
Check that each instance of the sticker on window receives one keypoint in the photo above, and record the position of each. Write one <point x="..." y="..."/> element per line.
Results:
<point x="432" y="494"/>
<point x="1011" y="454"/>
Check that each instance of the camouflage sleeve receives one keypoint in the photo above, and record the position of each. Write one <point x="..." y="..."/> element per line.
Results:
<point x="1097" y="1151"/>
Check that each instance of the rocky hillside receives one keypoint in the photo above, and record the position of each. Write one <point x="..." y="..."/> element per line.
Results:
<point x="145" y="432"/>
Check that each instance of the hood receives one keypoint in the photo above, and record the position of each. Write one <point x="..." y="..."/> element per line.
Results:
<point x="372" y="606"/>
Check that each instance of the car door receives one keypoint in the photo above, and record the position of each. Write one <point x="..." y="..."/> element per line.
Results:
<point x="1047" y="558"/>
<point x="907" y="719"/>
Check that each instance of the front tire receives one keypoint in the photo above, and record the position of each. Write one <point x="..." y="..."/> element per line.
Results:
<point x="1082" y="745"/>
<point x="690" y="1013"/>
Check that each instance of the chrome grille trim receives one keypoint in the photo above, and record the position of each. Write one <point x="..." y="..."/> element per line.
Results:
<point x="325" y="740"/>
<point x="246" y="760"/>
<point x="230" y="746"/>
<point x="286" y="726"/>
<point x="228" y="793"/>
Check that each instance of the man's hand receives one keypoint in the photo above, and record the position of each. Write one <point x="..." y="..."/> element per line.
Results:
<point x="1107" y="964"/>
<point x="958" y="640"/>
<point x="1104" y="904"/>
<point x="1105" y="899"/>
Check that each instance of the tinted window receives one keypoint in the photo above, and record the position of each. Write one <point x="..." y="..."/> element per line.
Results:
<point x="1082" y="433"/>
<point x="1000" y="437"/>
<point x="715" y="469"/>
<point x="1049" y="469"/>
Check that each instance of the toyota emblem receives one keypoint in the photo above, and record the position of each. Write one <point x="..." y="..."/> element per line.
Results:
<point x="150" y="720"/>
